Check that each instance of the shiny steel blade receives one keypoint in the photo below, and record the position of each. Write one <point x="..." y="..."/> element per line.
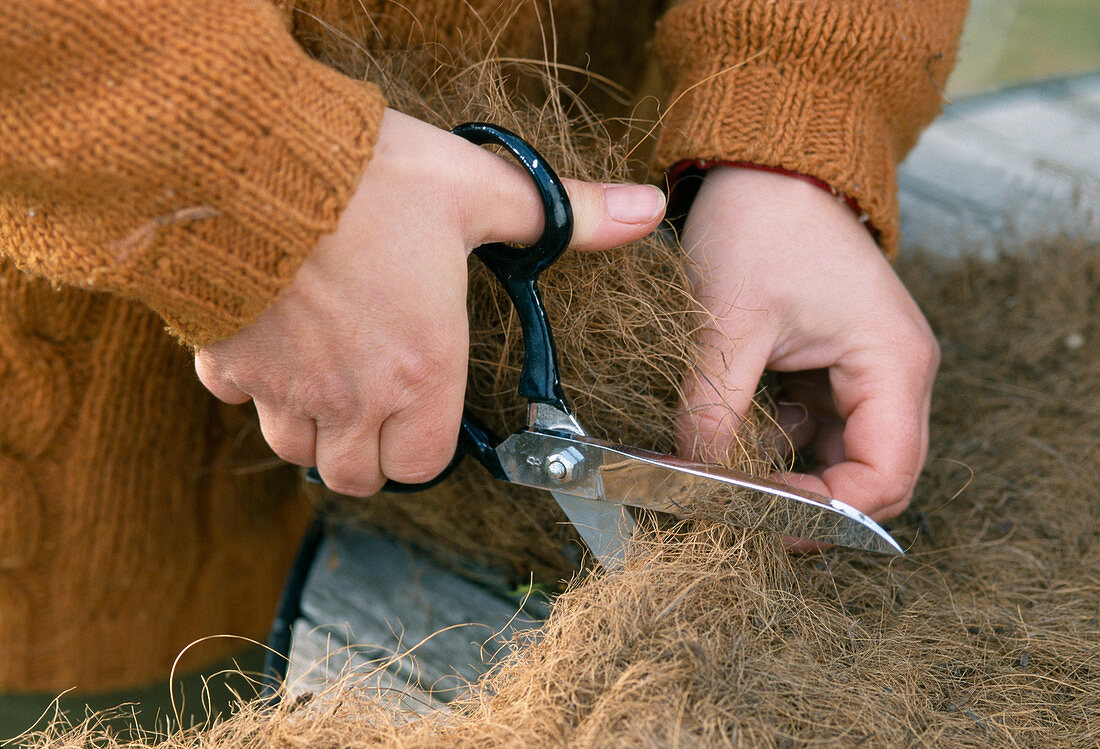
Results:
<point x="621" y="475"/>
<point x="605" y="528"/>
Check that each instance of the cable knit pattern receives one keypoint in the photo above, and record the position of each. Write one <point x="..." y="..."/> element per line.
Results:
<point x="126" y="527"/>
<point x="173" y="161"/>
<point x="836" y="89"/>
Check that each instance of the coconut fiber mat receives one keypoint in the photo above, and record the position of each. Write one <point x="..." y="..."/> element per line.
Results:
<point x="987" y="633"/>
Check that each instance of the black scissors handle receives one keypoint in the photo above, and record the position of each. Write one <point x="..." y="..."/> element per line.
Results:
<point x="517" y="269"/>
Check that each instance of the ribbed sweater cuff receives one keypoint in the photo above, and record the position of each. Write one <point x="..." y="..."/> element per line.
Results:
<point x="185" y="153"/>
<point x="754" y="114"/>
<point x="292" y="153"/>
<point x="300" y="149"/>
<point x="836" y="89"/>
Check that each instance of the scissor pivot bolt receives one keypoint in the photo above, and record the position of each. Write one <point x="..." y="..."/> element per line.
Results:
<point x="561" y="466"/>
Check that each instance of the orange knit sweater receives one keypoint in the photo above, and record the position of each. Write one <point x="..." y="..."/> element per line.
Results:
<point x="171" y="162"/>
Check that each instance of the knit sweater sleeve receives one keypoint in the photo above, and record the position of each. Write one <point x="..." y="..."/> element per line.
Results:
<point x="835" y="89"/>
<point x="185" y="153"/>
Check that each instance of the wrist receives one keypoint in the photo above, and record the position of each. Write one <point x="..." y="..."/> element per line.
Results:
<point x="685" y="178"/>
<point x="754" y="223"/>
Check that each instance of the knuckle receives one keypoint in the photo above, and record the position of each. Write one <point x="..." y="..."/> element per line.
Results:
<point x="900" y="506"/>
<point x="348" y="463"/>
<point x="220" y="374"/>
<point x="208" y="368"/>
<point x="936" y="356"/>
<point x="326" y="396"/>
<point x="417" y="370"/>
<point x="888" y="510"/>
<point x="921" y="347"/>
<point x="926" y="353"/>
<point x="427" y="368"/>
<point x="584" y="194"/>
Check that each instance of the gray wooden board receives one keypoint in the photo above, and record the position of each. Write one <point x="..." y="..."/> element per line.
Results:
<point x="993" y="173"/>
<point x="1002" y="170"/>
<point x="398" y="620"/>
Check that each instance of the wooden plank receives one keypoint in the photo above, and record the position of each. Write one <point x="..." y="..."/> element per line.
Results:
<point x="1044" y="127"/>
<point x="319" y="660"/>
<point x="379" y="609"/>
<point x="1007" y="169"/>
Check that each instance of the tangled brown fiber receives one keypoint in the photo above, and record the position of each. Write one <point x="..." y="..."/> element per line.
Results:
<point x="986" y="634"/>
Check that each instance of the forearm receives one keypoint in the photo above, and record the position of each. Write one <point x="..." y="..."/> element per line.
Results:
<point x="182" y="152"/>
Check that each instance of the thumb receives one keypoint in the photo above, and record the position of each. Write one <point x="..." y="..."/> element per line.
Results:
<point x="604" y="215"/>
<point x="607" y="216"/>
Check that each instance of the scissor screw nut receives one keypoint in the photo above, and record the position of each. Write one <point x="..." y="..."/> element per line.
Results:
<point x="561" y="466"/>
<point x="557" y="470"/>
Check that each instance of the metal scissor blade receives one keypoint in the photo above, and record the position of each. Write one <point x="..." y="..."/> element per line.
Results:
<point x="604" y="527"/>
<point x="619" y="474"/>
<point x="640" y="478"/>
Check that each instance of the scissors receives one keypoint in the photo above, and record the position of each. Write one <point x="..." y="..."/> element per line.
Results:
<point x="599" y="483"/>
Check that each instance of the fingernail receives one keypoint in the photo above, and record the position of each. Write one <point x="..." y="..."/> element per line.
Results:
<point x="633" y="204"/>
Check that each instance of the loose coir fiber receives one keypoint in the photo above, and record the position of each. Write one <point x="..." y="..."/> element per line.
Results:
<point x="986" y="634"/>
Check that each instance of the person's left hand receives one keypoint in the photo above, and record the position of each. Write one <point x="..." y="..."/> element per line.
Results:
<point x="798" y="286"/>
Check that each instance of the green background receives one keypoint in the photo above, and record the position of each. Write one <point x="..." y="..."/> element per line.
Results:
<point x="1008" y="42"/>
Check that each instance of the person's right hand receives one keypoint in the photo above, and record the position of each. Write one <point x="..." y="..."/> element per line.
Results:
<point x="359" y="366"/>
